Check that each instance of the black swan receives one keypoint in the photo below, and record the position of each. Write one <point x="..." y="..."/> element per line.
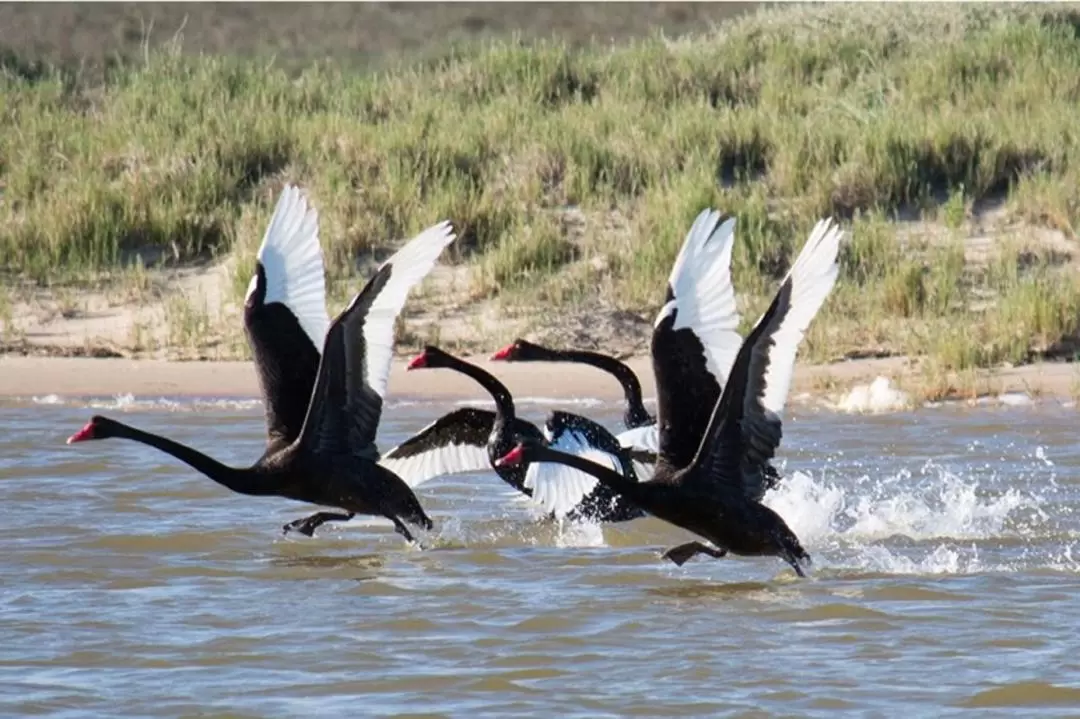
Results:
<point x="470" y="440"/>
<point x="715" y="489"/>
<point x="323" y="452"/>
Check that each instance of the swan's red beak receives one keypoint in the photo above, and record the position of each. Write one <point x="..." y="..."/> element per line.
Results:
<point x="514" y="456"/>
<point x="83" y="434"/>
<point x="417" y="362"/>
<point x="504" y="353"/>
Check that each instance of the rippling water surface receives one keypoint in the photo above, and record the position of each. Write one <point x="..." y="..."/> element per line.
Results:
<point x="945" y="578"/>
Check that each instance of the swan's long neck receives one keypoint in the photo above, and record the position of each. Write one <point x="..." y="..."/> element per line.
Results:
<point x="244" y="481"/>
<point x="504" y="401"/>
<point x="636" y="414"/>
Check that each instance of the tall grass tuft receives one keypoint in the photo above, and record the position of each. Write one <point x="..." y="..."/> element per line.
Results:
<point x="572" y="174"/>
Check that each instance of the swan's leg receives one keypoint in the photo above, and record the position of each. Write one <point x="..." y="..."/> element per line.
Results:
<point x="794" y="562"/>
<point x="401" y="529"/>
<point x="682" y="553"/>
<point x="771" y="476"/>
<point x="308" y="525"/>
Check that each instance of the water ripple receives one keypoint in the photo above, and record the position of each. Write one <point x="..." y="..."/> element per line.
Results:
<point x="943" y="544"/>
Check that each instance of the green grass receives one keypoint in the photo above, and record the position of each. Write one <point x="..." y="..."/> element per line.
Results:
<point x="572" y="173"/>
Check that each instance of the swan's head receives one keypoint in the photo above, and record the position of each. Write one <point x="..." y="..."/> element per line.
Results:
<point x="524" y="351"/>
<point x="430" y="356"/>
<point x="97" y="428"/>
<point x="512" y="458"/>
<point x="525" y="452"/>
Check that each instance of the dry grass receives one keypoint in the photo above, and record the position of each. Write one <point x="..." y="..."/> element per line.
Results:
<point x="572" y="172"/>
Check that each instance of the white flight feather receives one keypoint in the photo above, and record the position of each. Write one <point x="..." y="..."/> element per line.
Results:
<point x="812" y="278"/>
<point x="643" y="472"/>
<point x="559" y="489"/>
<point x="437" y="462"/>
<point x="646" y="438"/>
<point x="410" y="265"/>
<point x="704" y="296"/>
<point x="293" y="263"/>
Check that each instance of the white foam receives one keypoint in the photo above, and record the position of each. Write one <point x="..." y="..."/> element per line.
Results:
<point x="876" y="397"/>
<point x="948" y="507"/>
<point x="1040" y="454"/>
<point x="579" y="534"/>
<point x="942" y="560"/>
<point x="941" y="513"/>
<point x="128" y="402"/>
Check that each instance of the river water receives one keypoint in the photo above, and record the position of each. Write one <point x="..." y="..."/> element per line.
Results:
<point x="946" y="577"/>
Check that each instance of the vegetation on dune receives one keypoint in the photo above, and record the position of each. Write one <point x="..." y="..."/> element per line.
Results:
<point x="573" y="174"/>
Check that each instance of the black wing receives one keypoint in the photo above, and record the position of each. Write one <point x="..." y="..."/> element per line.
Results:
<point x="745" y="428"/>
<point x="285" y="314"/>
<point x="456" y="443"/>
<point x="694" y="338"/>
<point x="347" y="403"/>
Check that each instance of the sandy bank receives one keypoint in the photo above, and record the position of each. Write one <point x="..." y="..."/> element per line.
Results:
<point x="65" y="376"/>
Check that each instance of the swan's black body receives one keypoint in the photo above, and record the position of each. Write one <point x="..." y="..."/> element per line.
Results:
<point x="350" y="482"/>
<point x="322" y="411"/>
<point x="731" y="522"/>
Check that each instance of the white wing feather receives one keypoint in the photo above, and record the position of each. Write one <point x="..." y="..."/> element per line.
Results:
<point x="704" y="295"/>
<point x="559" y="489"/>
<point x="438" y="462"/>
<point x="411" y="264"/>
<point x="293" y="261"/>
<point x="644" y="472"/>
<point x="646" y="438"/>
<point x="812" y="278"/>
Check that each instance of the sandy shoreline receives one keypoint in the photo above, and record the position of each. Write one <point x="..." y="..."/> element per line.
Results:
<point x="76" y="376"/>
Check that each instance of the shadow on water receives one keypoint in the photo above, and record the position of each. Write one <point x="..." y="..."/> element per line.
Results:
<point x="699" y="590"/>
<point x="359" y="567"/>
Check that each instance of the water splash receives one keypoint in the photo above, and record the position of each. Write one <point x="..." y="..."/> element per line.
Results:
<point x="932" y="520"/>
<point x="877" y="397"/>
<point x="579" y="534"/>
<point x="130" y="403"/>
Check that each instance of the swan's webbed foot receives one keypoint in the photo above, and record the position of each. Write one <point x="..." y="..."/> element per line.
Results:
<point x="682" y="553"/>
<point x="770" y="476"/>
<point x="308" y="525"/>
<point x="796" y="563"/>
<point x="401" y="529"/>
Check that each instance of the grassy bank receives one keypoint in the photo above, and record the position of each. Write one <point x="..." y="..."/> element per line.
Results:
<point x="572" y="174"/>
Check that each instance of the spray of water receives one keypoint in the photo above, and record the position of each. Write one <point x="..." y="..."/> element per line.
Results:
<point x="926" y="522"/>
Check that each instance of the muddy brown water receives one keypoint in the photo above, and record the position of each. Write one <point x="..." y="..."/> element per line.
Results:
<point x="946" y="581"/>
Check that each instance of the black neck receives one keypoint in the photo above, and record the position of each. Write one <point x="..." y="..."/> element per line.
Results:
<point x="244" y="481"/>
<point x="504" y="401"/>
<point x="636" y="414"/>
